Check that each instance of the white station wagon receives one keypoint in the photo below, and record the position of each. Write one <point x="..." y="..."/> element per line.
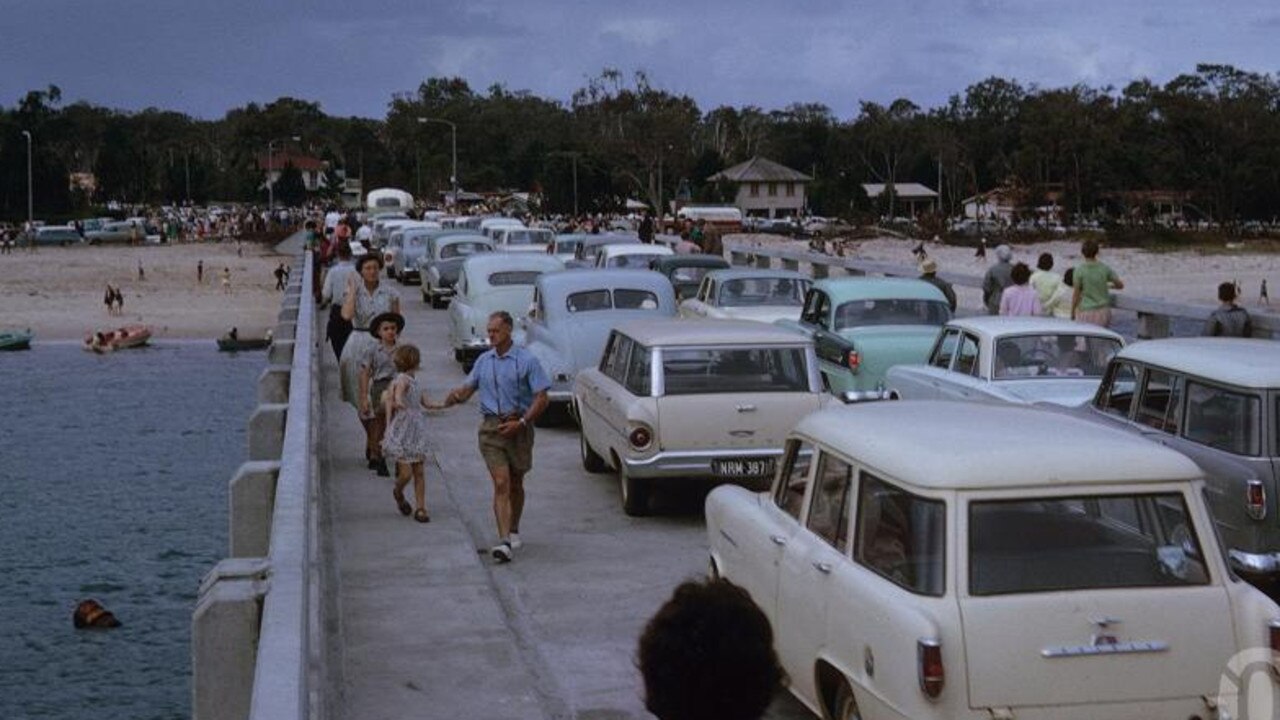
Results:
<point x="958" y="560"/>
<point x="693" y="399"/>
<point x="1010" y="359"/>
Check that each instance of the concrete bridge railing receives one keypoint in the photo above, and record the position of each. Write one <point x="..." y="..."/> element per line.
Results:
<point x="1154" y="315"/>
<point x="254" y="637"/>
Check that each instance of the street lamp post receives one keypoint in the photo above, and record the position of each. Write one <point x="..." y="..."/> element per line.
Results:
<point x="453" y="132"/>
<point x="572" y="155"/>
<point x="31" y="216"/>
<point x="271" y="186"/>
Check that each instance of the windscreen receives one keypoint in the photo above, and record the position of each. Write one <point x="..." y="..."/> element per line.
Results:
<point x="1065" y="355"/>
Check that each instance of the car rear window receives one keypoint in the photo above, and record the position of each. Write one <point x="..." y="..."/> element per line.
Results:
<point x="462" y="249"/>
<point x="858" y="313"/>
<point x="762" y="291"/>
<point x="1069" y="355"/>
<point x="514" y="277"/>
<point x="526" y="237"/>
<point x="1083" y="543"/>
<point x="734" y="370"/>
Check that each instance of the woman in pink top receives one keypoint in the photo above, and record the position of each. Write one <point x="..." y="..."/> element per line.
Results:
<point x="1020" y="298"/>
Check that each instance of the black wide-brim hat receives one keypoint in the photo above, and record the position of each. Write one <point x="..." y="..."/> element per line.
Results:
<point x="396" y="318"/>
<point x="370" y="257"/>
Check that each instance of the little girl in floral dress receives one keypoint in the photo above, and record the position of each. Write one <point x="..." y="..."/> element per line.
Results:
<point x="406" y="436"/>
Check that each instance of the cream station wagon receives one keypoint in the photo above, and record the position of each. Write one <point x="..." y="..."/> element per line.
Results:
<point x="693" y="399"/>
<point x="953" y="560"/>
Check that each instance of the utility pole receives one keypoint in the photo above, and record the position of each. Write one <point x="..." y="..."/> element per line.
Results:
<point x="31" y="216"/>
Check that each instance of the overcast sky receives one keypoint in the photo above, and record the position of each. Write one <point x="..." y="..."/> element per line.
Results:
<point x="205" y="57"/>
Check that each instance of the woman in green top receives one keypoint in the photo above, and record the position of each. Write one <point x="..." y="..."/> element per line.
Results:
<point x="1092" y="282"/>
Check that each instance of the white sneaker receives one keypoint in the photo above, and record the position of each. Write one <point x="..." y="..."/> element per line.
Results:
<point x="502" y="552"/>
<point x="516" y="542"/>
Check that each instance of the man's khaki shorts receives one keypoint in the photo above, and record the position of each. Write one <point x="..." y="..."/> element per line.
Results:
<point x="515" y="453"/>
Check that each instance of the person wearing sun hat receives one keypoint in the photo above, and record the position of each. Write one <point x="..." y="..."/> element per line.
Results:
<point x="377" y="370"/>
<point x="929" y="274"/>
<point x="366" y="297"/>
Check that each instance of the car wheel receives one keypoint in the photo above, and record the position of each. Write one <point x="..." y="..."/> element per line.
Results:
<point x="459" y="356"/>
<point x="591" y="461"/>
<point x="467" y="365"/>
<point x="635" y="493"/>
<point x="426" y="299"/>
<point x="437" y="302"/>
<point x="845" y="706"/>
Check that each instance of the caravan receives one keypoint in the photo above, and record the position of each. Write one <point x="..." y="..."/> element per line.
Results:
<point x="387" y="200"/>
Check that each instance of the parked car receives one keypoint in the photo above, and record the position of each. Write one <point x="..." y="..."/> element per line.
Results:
<point x="439" y="264"/>
<point x="405" y="247"/>
<point x="686" y="271"/>
<point x="1025" y="360"/>
<point x="118" y="231"/>
<point x="565" y="245"/>
<point x="585" y="255"/>
<point x="909" y="571"/>
<point x="748" y="294"/>
<point x="698" y="399"/>
<point x="573" y="313"/>
<point x="489" y="282"/>
<point x="58" y="235"/>
<point x="489" y="226"/>
<point x="861" y="327"/>
<point x="521" y="239"/>
<point x="1217" y="401"/>
<point x="636" y="256"/>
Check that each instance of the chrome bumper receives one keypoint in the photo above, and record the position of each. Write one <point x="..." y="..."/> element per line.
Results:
<point x="692" y="463"/>
<point x="1254" y="563"/>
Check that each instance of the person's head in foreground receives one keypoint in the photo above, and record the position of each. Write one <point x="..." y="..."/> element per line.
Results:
<point x="708" y="653"/>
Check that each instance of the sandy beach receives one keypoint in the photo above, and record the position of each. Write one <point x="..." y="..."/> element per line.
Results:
<point x="57" y="292"/>
<point x="1189" y="276"/>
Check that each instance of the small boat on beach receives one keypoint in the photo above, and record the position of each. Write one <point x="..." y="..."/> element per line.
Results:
<point x="129" y="336"/>
<point x="16" y="339"/>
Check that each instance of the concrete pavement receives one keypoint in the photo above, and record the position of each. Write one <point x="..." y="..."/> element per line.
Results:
<point x="428" y="627"/>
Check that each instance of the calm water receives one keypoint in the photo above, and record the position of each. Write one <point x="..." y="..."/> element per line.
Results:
<point x="114" y="472"/>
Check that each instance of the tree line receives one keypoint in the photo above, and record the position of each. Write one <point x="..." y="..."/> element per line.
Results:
<point x="1210" y="137"/>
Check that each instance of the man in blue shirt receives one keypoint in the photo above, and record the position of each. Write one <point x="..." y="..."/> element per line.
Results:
<point x="513" y="393"/>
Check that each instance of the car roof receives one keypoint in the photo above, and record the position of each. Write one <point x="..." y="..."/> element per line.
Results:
<point x="741" y="273"/>
<point x="672" y="331"/>
<point x="571" y="281"/>
<point x="496" y="261"/>
<point x="997" y="325"/>
<point x="1236" y="361"/>
<point x="636" y="248"/>
<point x="941" y="445"/>
<point x="680" y="261"/>
<point x="866" y="288"/>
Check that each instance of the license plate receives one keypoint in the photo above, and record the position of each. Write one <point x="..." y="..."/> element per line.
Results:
<point x="743" y="467"/>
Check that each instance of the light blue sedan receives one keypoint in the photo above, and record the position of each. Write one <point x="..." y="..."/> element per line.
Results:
<point x="489" y="282"/>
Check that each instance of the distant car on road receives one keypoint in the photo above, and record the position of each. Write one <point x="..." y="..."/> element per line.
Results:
<point x="861" y="327"/>
<point x="748" y="294"/>
<point x="1020" y="360"/>
<point x="634" y="256"/>
<point x="57" y="235"/>
<point x="574" y="312"/>
<point x="118" y="231"/>
<point x="488" y="282"/>
<point x="693" y="399"/>
<point x="686" y="271"/>
<point x="439" y="264"/>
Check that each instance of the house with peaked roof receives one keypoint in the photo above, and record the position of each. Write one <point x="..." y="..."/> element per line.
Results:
<point x="908" y="193"/>
<point x="312" y="168"/>
<point x="766" y="188"/>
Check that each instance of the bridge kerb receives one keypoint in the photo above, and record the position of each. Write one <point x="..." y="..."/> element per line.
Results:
<point x="266" y="431"/>
<point x="273" y="384"/>
<point x="251" y="501"/>
<point x="280" y="352"/>
<point x="224" y="638"/>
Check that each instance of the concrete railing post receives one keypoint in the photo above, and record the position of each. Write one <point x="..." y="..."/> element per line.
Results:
<point x="266" y="431"/>
<point x="224" y="639"/>
<point x="789" y="264"/>
<point x="273" y="384"/>
<point x="280" y="352"/>
<point x="251" y="499"/>
<point x="1152" y="326"/>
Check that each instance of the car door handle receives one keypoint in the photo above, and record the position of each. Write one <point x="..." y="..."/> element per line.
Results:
<point x="778" y="540"/>
<point x="824" y="568"/>
<point x="746" y="408"/>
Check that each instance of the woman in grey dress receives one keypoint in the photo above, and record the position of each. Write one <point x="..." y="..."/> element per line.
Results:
<point x="406" y="437"/>
<point x="366" y="297"/>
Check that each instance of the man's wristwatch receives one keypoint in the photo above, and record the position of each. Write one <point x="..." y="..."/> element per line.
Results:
<point x="522" y="422"/>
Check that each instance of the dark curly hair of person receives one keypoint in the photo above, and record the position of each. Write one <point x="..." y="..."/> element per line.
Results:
<point x="708" y="653"/>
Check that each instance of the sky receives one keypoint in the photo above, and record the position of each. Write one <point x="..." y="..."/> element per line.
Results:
<point x="204" y="58"/>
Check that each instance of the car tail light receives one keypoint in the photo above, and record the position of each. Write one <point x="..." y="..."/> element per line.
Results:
<point x="932" y="675"/>
<point x="1273" y="635"/>
<point x="640" y="437"/>
<point x="1256" y="500"/>
<point x="853" y="360"/>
